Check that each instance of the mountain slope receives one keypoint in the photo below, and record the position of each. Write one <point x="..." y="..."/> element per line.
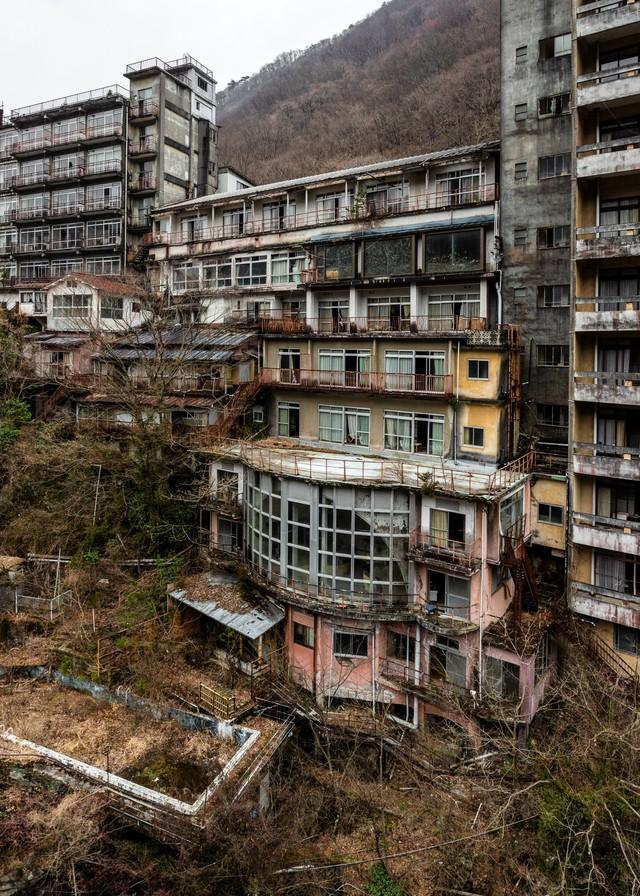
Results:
<point x="415" y="76"/>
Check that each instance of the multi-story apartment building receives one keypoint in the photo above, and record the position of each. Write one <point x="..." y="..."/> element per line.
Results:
<point x="79" y="175"/>
<point x="536" y="146"/>
<point x="605" y="524"/>
<point x="377" y="508"/>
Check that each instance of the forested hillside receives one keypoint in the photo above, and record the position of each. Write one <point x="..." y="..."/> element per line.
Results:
<point x="415" y="75"/>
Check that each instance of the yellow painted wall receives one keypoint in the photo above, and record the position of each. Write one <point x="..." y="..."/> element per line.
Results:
<point x="549" y="491"/>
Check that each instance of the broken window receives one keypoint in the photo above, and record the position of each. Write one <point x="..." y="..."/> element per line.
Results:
<point x="457" y="251"/>
<point x="447" y="663"/>
<point x="559" y="104"/>
<point x="350" y="644"/>
<point x="388" y="257"/>
<point x="303" y="634"/>
<point x="502" y="678"/>
<point x="449" y="595"/>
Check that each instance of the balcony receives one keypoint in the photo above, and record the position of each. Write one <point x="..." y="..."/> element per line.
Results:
<point x="145" y="146"/>
<point x="225" y="501"/>
<point x="618" y="16"/>
<point x="103" y="132"/>
<point x="143" y="110"/>
<point x="591" y="459"/>
<point x="67" y="139"/>
<point x="65" y="174"/>
<point x="435" y="689"/>
<point x="103" y="204"/>
<point x="141" y="221"/>
<point x="102" y="242"/>
<point x="608" y="241"/>
<point x="619" y="387"/>
<point x="441" y="552"/>
<point x="606" y="533"/>
<point x="66" y="245"/>
<point x="39" y="213"/>
<point x="146" y="183"/>
<point x="101" y="169"/>
<point x="440" y="385"/>
<point x="72" y="210"/>
<point x="607" y="604"/>
<point x="32" y="248"/>
<point x="596" y="315"/>
<point x="8" y="248"/>
<point x="421" y="202"/>
<point x="609" y="87"/>
<point x="29" y="181"/>
<point x="29" y="146"/>
<point x="609" y="157"/>
<point x="111" y="94"/>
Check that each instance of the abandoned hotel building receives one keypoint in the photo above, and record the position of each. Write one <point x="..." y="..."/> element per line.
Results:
<point x="433" y="362"/>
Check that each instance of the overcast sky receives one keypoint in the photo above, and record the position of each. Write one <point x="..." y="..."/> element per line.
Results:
<point x="57" y="47"/>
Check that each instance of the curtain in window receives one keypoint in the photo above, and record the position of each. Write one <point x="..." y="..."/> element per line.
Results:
<point x="610" y="572"/>
<point x="436" y="438"/>
<point x="439" y="528"/>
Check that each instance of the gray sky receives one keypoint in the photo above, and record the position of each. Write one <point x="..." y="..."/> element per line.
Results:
<point x="57" y="47"/>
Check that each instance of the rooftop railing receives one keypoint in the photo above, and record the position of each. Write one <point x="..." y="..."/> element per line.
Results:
<point x="74" y="99"/>
<point x="182" y="62"/>
<point x="299" y="220"/>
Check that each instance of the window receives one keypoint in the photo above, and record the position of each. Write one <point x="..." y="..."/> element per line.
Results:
<point x="67" y="236"/>
<point x="520" y="171"/>
<point x="551" y="513"/>
<point x="446" y="662"/>
<point x="298" y="541"/>
<point x="287" y="267"/>
<point x="37" y="298"/>
<point x="186" y="276"/>
<point x="627" y="640"/>
<point x="102" y="123"/>
<point x="103" y="160"/>
<point x="618" y="572"/>
<point x="401" y="647"/>
<point x="512" y="516"/>
<point x="389" y="313"/>
<point x="332" y="206"/>
<point x="553" y="356"/>
<point x="502" y="678"/>
<point x="202" y="84"/>
<point x="520" y="236"/>
<point x="34" y="239"/>
<point x="554" y="295"/>
<point x="522" y="54"/>
<point x="520" y="295"/>
<point x="553" y="237"/>
<point x="454" y="310"/>
<point x="217" y="274"/>
<point x="473" y="436"/>
<point x="65" y="266"/>
<point x="553" y="415"/>
<point x="106" y="265"/>
<point x="388" y="257"/>
<point x="457" y="251"/>
<point x="559" y="104"/>
<point x="521" y="111"/>
<point x="257" y="415"/>
<point x="251" y="270"/>
<point x="554" y="166"/>
<point x="303" y="634"/>
<point x="71" y="305"/>
<point x="414" y="370"/>
<point x="543" y="657"/>
<point x="67" y="201"/>
<point x="346" y="426"/>
<point x="103" y="196"/>
<point x="103" y="233"/>
<point x="336" y="262"/>
<point x="112" y="307"/>
<point x="620" y="211"/>
<point x="458" y="187"/>
<point x="350" y="367"/>
<point x="421" y="433"/>
<point x="350" y="644"/>
<point x="553" y="47"/>
<point x="477" y="369"/>
<point x="288" y="419"/>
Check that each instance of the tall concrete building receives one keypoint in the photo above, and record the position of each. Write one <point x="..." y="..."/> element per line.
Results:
<point x="79" y="175"/>
<point x="536" y="205"/>
<point x="605" y="524"/>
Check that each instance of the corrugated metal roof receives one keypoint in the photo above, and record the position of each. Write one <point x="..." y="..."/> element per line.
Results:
<point x="168" y="401"/>
<point x="172" y="354"/>
<point x="472" y="220"/>
<point x="250" y="620"/>
<point x="373" y="168"/>
<point x="191" y="336"/>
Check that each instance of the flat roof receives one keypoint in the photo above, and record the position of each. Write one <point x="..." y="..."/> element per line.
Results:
<point x="442" y="155"/>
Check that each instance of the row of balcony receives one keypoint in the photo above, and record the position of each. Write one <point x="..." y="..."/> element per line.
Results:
<point x="41" y="178"/>
<point x="45" y="212"/>
<point x="607" y="86"/>
<point x="53" y="142"/>
<point x="617" y="387"/>
<point x="60" y="245"/>
<point x="608" y="157"/>
<point x="438" y="385"/>
<point x="294" y="220"/>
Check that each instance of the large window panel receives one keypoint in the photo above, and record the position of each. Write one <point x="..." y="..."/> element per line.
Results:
<point x="454" y="251"/>
<point x="388" y="257"/>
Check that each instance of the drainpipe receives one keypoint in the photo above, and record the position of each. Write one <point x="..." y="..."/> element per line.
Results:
<point x="417" y="663"/>
<point x="125" y="182"/>
<point x="483" y="537"/>
<point x="373" y="672"/>
<point x="455" y="410"/>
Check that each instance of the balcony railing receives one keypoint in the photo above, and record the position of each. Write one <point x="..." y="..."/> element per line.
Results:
<point x="603" y="305"/>
<point x="58" y="245"/>
<point x="144" y="109"/>
<point x="142" y="184"/>
<point x="29" y="214"/>
<point x="607" y="75"/>
<point x="600" y="6"/>
<point x="274" y="321"/>
<point x="606" y="522"/>
<point x="299" y="220"/>
<point x="432" y="384"/>
<point x="414" y="679"/>
<point x="27" y="180"/>
<point x="8" y="248"/>
<point x="68" y="137"/>
<point x="608" y="239"/>
<point x="426" y="546"/>
<point x="110" y="203"/>
<point x="66" y="173"/>
<point x="357" y="469"/>
<point x="75" y="99"/>
<point x="606" y="147"/>
<point x="142" y="146"/>
<point x="611" y="378"/>
<point x="111" y="166"/>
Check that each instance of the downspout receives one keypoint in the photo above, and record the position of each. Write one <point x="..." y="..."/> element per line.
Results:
<point x="373" y="673"/>
<point x="455" y="408"/>
<point x="483" y="561"/>
<point x="417" y="663"/>
<point x="125" y="210"/>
